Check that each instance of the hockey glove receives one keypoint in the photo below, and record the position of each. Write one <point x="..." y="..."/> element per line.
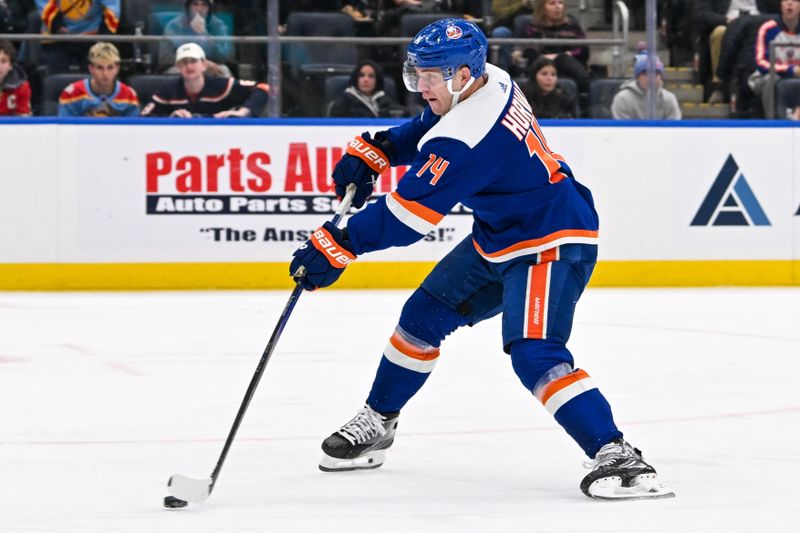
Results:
<point x="324" y="257"/>
<point x="364" y="161"/>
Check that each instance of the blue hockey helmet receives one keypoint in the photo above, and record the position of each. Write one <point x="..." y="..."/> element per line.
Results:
<point x="448" y="44"/>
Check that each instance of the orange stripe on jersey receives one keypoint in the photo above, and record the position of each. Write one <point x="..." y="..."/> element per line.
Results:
<point x="548" y="255"/>
<point x="554" y="386"/>
<point x="536" y="301"/>
<point x="534" y="245"/>
<point x="408" y="349"/>
<point x="425" y="213"/>
<point x="111" y="20"/>
<point x="221" y="96"/>
<point x="49" y="13"/>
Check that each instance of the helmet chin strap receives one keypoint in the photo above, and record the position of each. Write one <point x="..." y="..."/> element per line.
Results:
<point x="456" y="94"/>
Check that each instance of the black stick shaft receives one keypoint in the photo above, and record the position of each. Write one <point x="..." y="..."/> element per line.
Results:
<point x="265" y="356"/>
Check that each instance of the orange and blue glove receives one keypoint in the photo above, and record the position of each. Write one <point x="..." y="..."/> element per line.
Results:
<point x="364" y="161"/>
<point x="323" y="257"/>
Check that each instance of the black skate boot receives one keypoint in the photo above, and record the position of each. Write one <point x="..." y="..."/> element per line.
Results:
<point x="361" y="443"/>
<point x="620" y="473"/>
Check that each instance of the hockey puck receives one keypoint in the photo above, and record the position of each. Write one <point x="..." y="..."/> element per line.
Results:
<point x="171" y="502"/>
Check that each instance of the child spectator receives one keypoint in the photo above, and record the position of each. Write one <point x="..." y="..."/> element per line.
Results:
<point x="364" y="96"/>
<point x="197" y="94"/>
<point x="15" y="92"/>
<point x="547" y="98"/>
<point x="74" y="16"/>
<point x="631" y="100"/>
<point x="198" y="20"/>
<point x="787" y="58"/>
<point x="102" y="94"/>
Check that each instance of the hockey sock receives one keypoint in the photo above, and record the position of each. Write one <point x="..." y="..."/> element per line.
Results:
<point x="545" y="368"/>
<point x="412" y="351"/>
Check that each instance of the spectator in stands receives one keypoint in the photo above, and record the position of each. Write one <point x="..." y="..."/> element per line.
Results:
<point x="547" y="98"/>
<point x="551" y="21"/>
<point x="712" y="18"/>
<point x="15" y="92"/>
<point x="102" y="94"/>
<point x="14" y="15"/>
<point x="631" y="100"/>
<point x="198" y="20"/>
<point x="195" y="94"/>
<point x="504" y="12"/>
<point x="364" y="96"/>
<point x="787" y="58"/>
<point x="74" y="16"/>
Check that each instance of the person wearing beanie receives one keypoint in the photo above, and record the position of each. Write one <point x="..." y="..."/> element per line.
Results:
<point x="15" y="91"/>
<point x="630" y="102"/>
<point x="198" y="20"/>
<point x="364" y="96"/>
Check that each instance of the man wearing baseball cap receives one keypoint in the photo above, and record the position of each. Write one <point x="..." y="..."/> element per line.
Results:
<point x="196" y="94"/>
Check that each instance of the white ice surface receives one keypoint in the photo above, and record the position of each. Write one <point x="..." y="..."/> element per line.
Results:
<point x="105" y="395"/>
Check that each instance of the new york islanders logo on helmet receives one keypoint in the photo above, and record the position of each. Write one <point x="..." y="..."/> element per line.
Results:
<point x="453" y="32"/>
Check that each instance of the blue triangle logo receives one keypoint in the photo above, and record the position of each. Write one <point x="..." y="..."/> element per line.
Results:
<point x="731" y="201"/>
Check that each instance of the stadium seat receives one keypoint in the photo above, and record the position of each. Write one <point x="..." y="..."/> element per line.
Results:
<point x="787" y="96"/>
<point x="601" y="94"/>
<point x="570" y="88"/>
<point x="146" y="85"/>
<point x="52" y="88"/>
<point x="327" y="58"/>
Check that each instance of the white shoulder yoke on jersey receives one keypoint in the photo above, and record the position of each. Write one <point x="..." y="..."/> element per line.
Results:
<point x="470" y="121"/>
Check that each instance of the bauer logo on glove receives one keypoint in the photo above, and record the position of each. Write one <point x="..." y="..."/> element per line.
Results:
<point x="323" y="257"/>
<point x="361" y="165"/>
<point x="376" y="160"/>
<point x="337" y="256"/>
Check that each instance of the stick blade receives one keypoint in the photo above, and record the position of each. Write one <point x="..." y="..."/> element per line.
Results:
<point x="189" y="489"/>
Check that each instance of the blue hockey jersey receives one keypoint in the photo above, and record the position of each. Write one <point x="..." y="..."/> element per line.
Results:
<point x="489" y="154"/>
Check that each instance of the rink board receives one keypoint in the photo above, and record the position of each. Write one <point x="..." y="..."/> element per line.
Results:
<point x="160" y="204"/>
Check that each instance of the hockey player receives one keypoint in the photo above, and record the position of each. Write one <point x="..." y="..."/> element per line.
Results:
<point x="530" y="255"/>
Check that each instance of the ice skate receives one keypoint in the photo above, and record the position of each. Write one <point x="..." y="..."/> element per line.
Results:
<point x="620" y="473"/>
<point x="361" y="443"/>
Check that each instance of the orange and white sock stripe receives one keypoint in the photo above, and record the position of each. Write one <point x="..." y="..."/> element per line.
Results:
<point x="410" y="353"/>
<point x="558" y="392"/>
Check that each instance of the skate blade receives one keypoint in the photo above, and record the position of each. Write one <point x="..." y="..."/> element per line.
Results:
<point x="644" y="487"/>
<point x="367" y="461"/>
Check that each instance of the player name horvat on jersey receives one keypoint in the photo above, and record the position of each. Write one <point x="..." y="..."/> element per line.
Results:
<point x="487" y="147"/>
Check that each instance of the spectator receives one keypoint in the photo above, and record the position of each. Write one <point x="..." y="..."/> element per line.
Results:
<point x="74" y="16"/>
<point x="547" y="98"/>
<point x="197" y="94"/>
<point x="102" y="94"/>
<point x="550" y="21"/>
<point x="631" y="100"/>
<point x="14" y="15"/>
<point x="712" y="19"/>
<point x="15" y="92"/>
<point x="198" y="20"/>
<point x="787" y="58"/>
<point x="504" y="12"/>
<point x="364" y="96"/>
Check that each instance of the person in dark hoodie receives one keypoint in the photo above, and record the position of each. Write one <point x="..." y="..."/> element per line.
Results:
<point x="547" y="98"/>
<point x="15" y="91"/>
<point x="364" y="96"/>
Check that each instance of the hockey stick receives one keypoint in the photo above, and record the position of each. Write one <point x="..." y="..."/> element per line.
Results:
<point x="186" y="489"/>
